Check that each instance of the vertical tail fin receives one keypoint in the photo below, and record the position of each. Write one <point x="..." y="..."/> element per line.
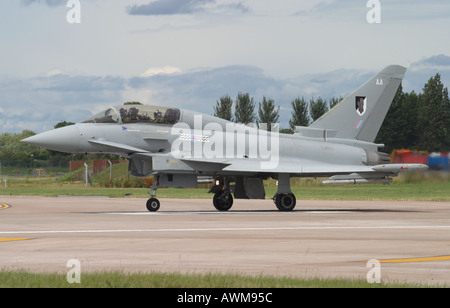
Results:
<point x="360" y="115"/>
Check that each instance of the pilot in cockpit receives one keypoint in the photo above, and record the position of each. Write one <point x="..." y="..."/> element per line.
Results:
<point x="157" y="115"/>
<point x="124" y="115"/>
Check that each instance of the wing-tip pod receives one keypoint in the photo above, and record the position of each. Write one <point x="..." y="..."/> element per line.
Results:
<point x="358" y="178"/>
<point x="395" y="168"/>
<point x="381" y="174"/>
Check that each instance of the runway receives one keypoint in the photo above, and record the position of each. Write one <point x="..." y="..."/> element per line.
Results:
<point x="411" y="240"/>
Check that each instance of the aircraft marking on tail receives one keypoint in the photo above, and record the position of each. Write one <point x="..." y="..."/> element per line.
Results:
<point x="358" y="124"/>
<point x="361" y="105"/>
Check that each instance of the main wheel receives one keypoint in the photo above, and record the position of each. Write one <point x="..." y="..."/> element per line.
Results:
<point x="153" y="204"/>
<point x="223" y="201"/>
<point x="285" y="202"/>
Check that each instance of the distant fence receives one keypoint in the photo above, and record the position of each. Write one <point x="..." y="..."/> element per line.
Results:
<point x="97" y="164"/>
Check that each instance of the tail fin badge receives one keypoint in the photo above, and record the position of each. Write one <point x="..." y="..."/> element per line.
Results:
<point x="360" y="104"/>
<point x="358" y="124"/>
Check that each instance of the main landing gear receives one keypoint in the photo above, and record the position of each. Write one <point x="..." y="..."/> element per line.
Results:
<point x="285" y="202"/>
<point x="223" y="200"/>
<point x="153" y="203"/>
<point x="284" y="198"/>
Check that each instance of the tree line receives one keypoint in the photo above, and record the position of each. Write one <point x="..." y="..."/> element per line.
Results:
<point x="418" y="121"/>
<point x="304" y="112"/>
<point x="414" y="121"/>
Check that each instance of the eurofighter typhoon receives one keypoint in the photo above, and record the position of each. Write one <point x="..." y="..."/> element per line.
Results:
<point x="178" y="146"/>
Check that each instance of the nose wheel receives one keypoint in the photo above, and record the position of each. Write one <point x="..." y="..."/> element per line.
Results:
<point x="153" y="203"/>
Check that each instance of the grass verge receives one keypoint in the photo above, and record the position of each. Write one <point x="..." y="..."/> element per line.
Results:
<point x="23" y="279"/>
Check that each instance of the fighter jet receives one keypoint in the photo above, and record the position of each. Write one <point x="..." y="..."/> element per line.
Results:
<point x="177" y="146"/>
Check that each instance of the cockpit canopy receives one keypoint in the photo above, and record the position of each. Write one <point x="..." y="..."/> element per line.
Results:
<point x="137" y="114"/>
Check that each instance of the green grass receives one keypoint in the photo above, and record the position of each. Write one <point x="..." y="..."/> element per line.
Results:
<point x="395" y="191"/>
<point x="23" y="279"/>
<point x="80" y="190"/>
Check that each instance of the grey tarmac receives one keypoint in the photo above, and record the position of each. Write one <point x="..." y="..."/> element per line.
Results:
<point x="327" y="239"/>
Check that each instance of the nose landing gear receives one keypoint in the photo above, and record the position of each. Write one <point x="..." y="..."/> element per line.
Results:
<point x="153" y="203"/>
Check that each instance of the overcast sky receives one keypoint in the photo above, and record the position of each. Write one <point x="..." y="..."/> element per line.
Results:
<point x="188" y="53"/>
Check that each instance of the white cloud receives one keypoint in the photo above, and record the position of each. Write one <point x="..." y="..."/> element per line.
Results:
<point x="421" y="71"/>
<point x="439" y="62"/>
<point x="166" y="70"/>
<point x="55" y="72"/>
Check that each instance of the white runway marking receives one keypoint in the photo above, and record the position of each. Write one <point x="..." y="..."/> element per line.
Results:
<point x="225" y="229"/>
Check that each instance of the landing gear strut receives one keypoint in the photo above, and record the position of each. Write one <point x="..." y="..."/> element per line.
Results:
<point x="153" y="203"/>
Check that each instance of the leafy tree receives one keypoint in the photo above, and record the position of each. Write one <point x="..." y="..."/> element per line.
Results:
<point x="411" y="113"/>
<point x="286" y="131"/>
<point x="317" y="108"/>
<point x="334" y="101"/>
<point x="132" y="103"/>
<point x="299" y="113"/>
<point x="245" y="109"/>
<point x="223" y="108"/>
<point x="434" y="116"/>
<point x="62" y="124"/>
<point x="267" y="113"/>
<point x="18" y="154"/>
<point x="392" y="131"/>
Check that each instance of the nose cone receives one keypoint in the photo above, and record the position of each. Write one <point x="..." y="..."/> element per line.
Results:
<point x="64" y="139"/>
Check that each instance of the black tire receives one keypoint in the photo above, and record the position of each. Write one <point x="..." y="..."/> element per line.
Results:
<point x="153" y="204"/>
<point x="223" y="201"/>
<point x="285" y="202"/>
